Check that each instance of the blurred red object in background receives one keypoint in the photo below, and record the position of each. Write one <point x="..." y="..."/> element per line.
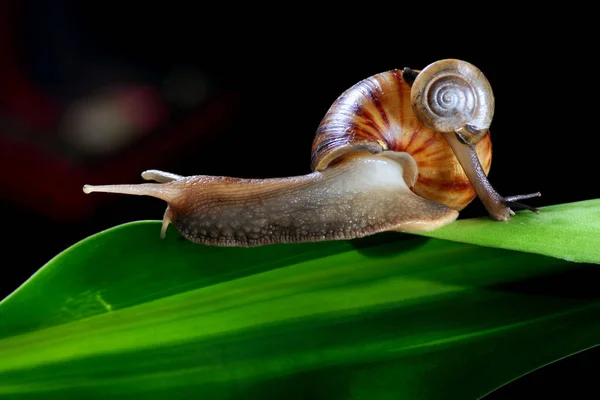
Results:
<point x="49" y="149"/>
<point x="50" y="182"/>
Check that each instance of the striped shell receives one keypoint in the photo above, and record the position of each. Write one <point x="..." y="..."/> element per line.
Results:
<point x="375" y="115"/>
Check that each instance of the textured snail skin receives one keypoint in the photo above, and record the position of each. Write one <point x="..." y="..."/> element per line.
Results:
<point x="359" y="196"/>
<point x="376" y="167"/>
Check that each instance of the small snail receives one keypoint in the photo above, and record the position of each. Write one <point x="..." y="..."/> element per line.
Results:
<point x="403" y="150"/>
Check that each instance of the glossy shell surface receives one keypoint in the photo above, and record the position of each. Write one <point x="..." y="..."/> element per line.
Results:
<point x="450" y="95"/>
<point x="376" y="115"/>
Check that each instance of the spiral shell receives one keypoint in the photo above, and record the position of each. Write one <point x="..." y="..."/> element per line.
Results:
<point x="453" y="95"/>
<point x="376" y="115"/>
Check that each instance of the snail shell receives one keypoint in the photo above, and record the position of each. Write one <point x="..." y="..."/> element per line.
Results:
<point x="377" y="114"/>
<point x="453" y="95"/>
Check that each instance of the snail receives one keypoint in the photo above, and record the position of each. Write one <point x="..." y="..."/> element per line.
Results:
<point x="403" y="150"/>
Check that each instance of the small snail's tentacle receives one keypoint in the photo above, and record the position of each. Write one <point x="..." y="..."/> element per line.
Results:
<point x="358" y="196"/>
<point x="167" y="219"/>
<point x="511" y="201"/>
<point x="159" y="176"/>
<point x="409" y="75"/>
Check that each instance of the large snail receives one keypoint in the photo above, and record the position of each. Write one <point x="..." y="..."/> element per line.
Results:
<point x="402" y="150"/>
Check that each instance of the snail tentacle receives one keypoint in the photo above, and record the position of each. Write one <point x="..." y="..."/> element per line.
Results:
<point x="409" y="75"/>
<point x="511" y="201"/>
<point x="159" y="176"/>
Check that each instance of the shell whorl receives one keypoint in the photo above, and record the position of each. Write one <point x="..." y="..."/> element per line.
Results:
<point x="376" y="114"/>
<point x="453" y="95"/>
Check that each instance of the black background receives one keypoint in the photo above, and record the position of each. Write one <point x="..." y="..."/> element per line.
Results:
<point x="290" y="63"/>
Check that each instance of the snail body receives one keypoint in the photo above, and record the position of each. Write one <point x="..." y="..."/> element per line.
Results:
<point x="382" y="160"/>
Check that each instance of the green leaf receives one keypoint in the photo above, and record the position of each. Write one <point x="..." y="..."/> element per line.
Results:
<point x="569" y="231"/>
<point x="126" y="315"/>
